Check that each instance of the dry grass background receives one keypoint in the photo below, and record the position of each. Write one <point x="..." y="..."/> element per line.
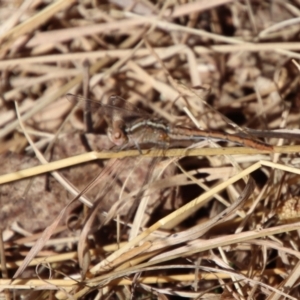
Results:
<point x="200" y="223"/>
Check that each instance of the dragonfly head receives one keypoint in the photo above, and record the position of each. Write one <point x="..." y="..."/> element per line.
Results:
<point x="117" y="136"/>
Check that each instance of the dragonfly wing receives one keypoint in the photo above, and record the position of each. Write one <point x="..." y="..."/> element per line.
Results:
<point x="116" y="108"/>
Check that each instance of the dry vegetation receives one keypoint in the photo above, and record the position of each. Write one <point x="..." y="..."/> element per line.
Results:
<point x="199" y="223"/>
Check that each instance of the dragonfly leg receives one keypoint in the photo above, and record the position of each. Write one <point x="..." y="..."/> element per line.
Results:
<point x="138" y="147"/>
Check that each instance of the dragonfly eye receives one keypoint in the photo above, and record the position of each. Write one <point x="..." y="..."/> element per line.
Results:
<point x="117" y="136"/>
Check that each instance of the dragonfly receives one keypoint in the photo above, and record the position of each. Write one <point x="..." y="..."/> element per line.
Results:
<point x="131" y="126"/>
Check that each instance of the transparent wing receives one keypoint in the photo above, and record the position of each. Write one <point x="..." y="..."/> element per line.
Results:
<point x="115" y="108"/>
